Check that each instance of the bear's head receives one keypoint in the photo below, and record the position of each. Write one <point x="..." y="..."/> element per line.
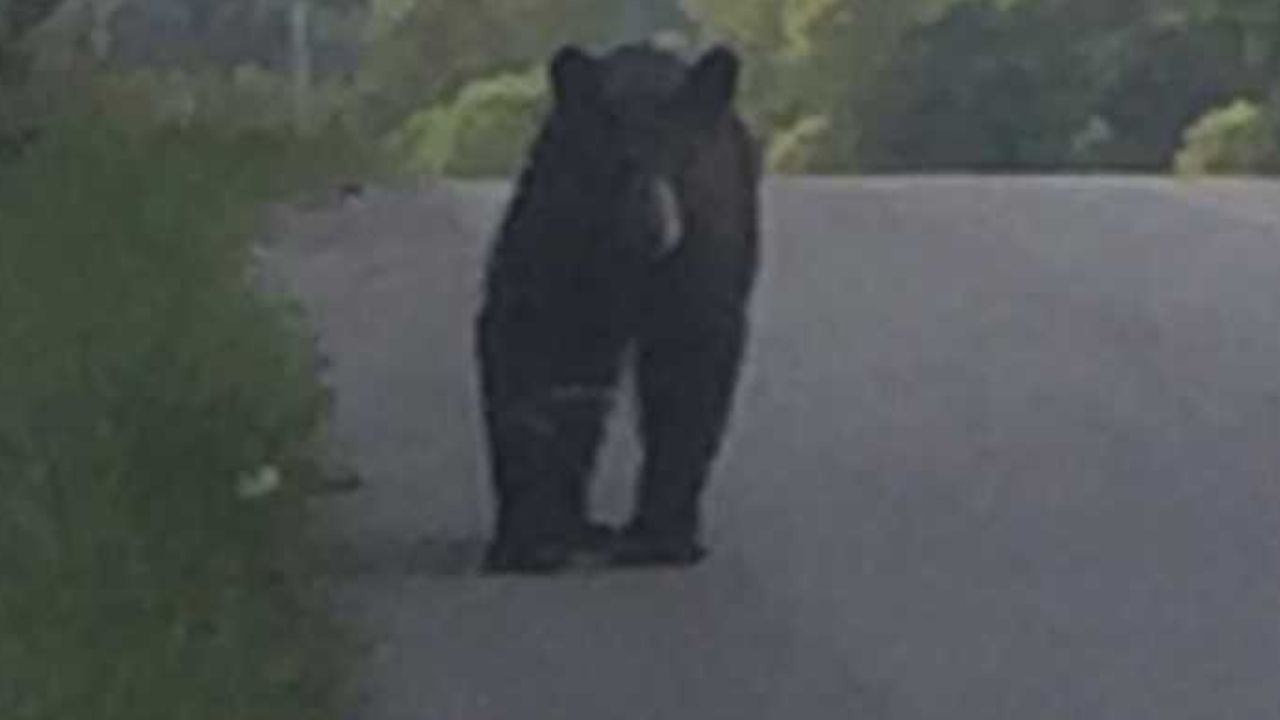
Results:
<point x="628" y="125"/>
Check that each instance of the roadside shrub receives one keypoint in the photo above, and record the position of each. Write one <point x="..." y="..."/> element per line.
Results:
<point x="247" y="98"/>
<point x="1090" y="143"/>
<point x="483" y="132"/>
<point x="795" y="149"/>
<point x="141" y="375"/>
<point x="1238" y="138"/>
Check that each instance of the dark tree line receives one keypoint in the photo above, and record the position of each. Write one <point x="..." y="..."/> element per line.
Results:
<point x="1063" y="83"/>
<point x="832" y="85"/>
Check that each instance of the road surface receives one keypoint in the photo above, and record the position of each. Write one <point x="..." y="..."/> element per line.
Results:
<point x="1005" y="449"/>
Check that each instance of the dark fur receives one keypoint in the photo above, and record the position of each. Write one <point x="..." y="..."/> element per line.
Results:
<point x="572" y="289"/>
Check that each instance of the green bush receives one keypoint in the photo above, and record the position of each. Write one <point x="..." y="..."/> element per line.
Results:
<point x="1090" y="143"/>
<point x="244" y="99"/>
<point x="795" y="148"/>
<point x="141" y="375"/>
<point x="1238" y="138"/>
<point x="485" y="131"/>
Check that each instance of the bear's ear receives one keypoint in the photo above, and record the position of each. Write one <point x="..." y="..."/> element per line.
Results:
<point x="575" y="79"/>
<point x="710" y="85"/>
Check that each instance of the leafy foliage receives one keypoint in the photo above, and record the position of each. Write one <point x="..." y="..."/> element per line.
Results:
<point x="483" y="132"/>
<point x="901" y="84"/>
<point x="424" y="51"/>
<point x="795" y="149"/>
<point x="1238" y="138"/>
<point x="996" y="84"/>
<point x="141" y="372"/>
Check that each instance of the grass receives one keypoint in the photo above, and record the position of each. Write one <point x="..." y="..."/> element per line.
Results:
<point x="139" y="375"/>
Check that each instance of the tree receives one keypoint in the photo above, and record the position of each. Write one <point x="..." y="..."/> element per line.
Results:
<point x="423" y="51"/>
<point x="1039" y="84"/>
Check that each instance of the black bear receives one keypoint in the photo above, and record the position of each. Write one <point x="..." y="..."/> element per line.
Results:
<point x="632" y="238"/>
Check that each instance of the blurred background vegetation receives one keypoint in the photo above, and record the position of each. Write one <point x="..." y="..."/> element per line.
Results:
<point x="833" y="86"/>
<point x="142" y="374"/>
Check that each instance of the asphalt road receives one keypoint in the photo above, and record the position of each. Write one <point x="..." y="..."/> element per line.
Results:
<point x="1005" y="449"/>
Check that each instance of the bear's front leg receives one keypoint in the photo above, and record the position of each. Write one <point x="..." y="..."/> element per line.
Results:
<point x="546" y="395"/>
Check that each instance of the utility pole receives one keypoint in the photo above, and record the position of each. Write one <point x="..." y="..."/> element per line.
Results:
<point x="301" y="63"/>
<point x="101" y="13"/>
<point x="5" y="27"/>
